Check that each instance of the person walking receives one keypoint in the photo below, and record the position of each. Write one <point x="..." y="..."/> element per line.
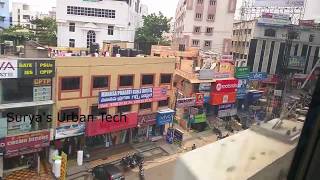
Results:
<point x="193" y="147"/>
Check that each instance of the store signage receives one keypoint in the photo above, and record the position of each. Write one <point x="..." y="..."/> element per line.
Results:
<point x="147" y="119"/>
<point x="242" y="88"/>
<point x="65" y="130"/>
<point x="199" y="99"/>
<point x="178" y="137"/>
<point x="226" y="106"/>
<point x="223" y="98"/>
<point x="227" y="113"/>
<point x="258" y="76"/>
<point x="205" y="87"/>
<point x="8" y="69"/>
<point x="307" y="23"/>
<point x="165" y="116"/>
<point x="227" y="58"/>
<point x="99" y="127"/>
<point x="200" y="118"/>
<point x="226" y="67"/>
<point x="277" y="93"/>
<point x="226" y="86"/>
<point x="242" y="72"/>
<point x="254" y="95"/>
<point x="27" y="143"/>
<point x="241" y="93"/>
<point x="208" y="74"/>
<point x="279" y="3"/>
<point x="297" y="63"/>
<point x="186" y="102"/>
<point x="274" y="19"/>
<point x="36" y="68"/>
<point x="2" y="146"/>
<point x="131" y="96"/>
<point x="42" y="93"/>
<point x="42" y="82"/>
<point x="300" y="76"/>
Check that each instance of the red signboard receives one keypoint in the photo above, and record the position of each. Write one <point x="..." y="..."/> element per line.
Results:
<point x="99" y="126"/>
<point x="223" y="98"/>
<point x="199" y="99"/>
<point x="27" y="143"/>
<point x="309" y="23"/>
<point x="226" y="85"/>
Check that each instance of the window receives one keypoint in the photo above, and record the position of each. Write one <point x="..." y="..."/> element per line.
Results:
<point x="270" y="33"/>
<point x="197" y="29"/>
<point x="147" y="79"/>
<point x="249" y="31"/>
<point x="96" y="12"/>
<point x="72" y="27"/>
<point x="311" y="38"/>
<point x="195" y="42"/>
<point x="144" y="106"/>
<point x="100" y="82"/>
<point x="165" y="78"/>
<point x="212" y="2"/>
<point x="2" y="4"/>
<point x="26" y="17"/>
<point x="207" y="43"/>
<point x="126" y="81"/>
<point x="210" y="17"/>
<point x="95" y="111"/>
<point x="247" y="44"/>
<point x="209" y="30"/>
<point x="200" y="1"/>
<point x="72" y="43"/>
<point x="124" y="109"/>
<point x="163" y="103"/>
<point x="70" y="83"/>
<point x="67" y="114"/>
<point x="91" y="38"/>
<point x="198" y="15"/>
<point x="110" y="30"/>
<point x="17" y="90"/>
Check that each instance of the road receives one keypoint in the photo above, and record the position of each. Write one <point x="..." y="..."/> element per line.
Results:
<point x="162" y="172"/>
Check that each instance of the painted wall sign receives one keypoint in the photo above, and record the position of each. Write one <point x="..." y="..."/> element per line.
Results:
<point x="8" y="69"/>
<point x="131" y="96"/>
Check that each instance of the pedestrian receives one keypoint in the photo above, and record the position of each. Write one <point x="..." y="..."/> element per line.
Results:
<point x="193" y="147"/>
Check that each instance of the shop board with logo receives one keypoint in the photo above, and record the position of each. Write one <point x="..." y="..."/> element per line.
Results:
<point x="226" y="86"/>
<point x="8" y="69"/>
<point x="36" y="68"/>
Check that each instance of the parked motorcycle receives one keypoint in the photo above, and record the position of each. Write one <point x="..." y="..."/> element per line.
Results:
<point x="131" y="161"/>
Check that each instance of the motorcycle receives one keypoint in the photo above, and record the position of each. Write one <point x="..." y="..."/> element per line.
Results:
<point x="125" y="162"/>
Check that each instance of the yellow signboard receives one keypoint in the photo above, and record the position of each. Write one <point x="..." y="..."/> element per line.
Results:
<point x="63" y="171"/>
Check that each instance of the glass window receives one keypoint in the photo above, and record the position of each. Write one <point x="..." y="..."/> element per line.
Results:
<point x="163" y="103"/>
<point x="110" y="30"/>
<point x="144" y="106"/>
<point x="270" y="33"/>
<point x="17" y="90"/>
<point x="198" y="15"/>
<point x="70" y="83"/>
<point x="95" y="111"/>
<point x="212" y="2"/>
<point x="72" y="43"/>
<point x="100" y="82"/>
<point x="207" y="43"/>
<point x="124" y="109"/>
<point x="210" y="16"/>
<point x="197" y="29"/>
<point x="72" y="27"/>
<point x="91" y="38"/>
<point x="126" y="80"/>
<point x="209" y="30"/>
<point x="165" y="78"/>
<point x="195" y="42"/>
<point x="147" y="79"/>
<point x="66" y="114"/>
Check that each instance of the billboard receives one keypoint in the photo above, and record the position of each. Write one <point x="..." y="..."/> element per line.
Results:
<point x="225" y="86"/>
<point x="131" y="96"/>
<point x="279" y="3"/>
<point x="274" y="19"/>
<point x="8" y="69"/>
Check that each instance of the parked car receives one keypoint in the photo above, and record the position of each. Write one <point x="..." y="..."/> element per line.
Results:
<point x="107" y="172"/>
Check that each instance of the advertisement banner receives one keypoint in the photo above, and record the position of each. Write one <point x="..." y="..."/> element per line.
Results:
<point x="307" y="23"/>
<point x="279" y="3"/>
<point x="226" y="67"/>
<point x="147" y="119"/>
<point x="258" y="76"/>
<point x="297" y="63"/>
<point x="8" y="69"/>
<point x="36" y="68"/>
<point x="228" y="58"/>
<point x="242" y="72"/>
<point x="99" y="126"/>
<point x="199" y="99"/>
<point x="186" y="102"/>
<point x="205" y="87"/>
<point x="177" y="137"/>
<point x="27" y="143"/>
<point x="200" y="118"/>
<point x="226" y="106"/>
<point x="69" y="130"/>
<point x="225" y="86"/>
<point x="227" y="113"/>
<point x="169" y="136"/>
<point x="274" y="19"/>
<point x="242" y="88"/>
<point x="254" y="95"/>
<point x="165" y="116"/>
<point x="209" y="74"/>
<point x="42" y="93"/>
<point x="223" y="98"/>
<point x="131" y="96"/>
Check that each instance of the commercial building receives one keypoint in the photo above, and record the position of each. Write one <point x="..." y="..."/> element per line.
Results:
<point x="261" y="43"/>
<point x="22" y="14"/>
<point x="136" y="87"/>
<point x="26" y="109"/>
<point x="262" y="152"/>
<point x="205" y="24"/>
<point x="81" y="22"/>
<point x="4" y="14"/>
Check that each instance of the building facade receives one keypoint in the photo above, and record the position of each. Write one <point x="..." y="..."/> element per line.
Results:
<point x="81" y="22"/>
<point x="261" y="46"/>
<point x="4" y="14"/>
<point x="22" y="14"/>
<point x="205" y="24"/>
<point x="86" y="85"/>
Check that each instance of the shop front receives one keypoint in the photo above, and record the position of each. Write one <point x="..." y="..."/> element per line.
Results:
<point x="163" y="120"/>
<point x="146" y="127"/>
<point x="108" y="134"/>
<point x="25" y="151"/>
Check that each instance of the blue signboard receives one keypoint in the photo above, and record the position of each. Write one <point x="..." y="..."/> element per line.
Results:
<point x="165" y="116"/>
<point x="258" y="76"/>
<point x="242" y="88"/>
<point x="226" y="106"/>
<point x="254" y="95"/>
<point x="169" y="137"/>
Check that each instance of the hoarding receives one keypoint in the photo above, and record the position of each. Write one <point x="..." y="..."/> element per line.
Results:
<point x="36" y="68"/>
<point x="242" y="72"/>
<point x="274" y="19"/>
<point x="165" y="116"/>
<point x="209" y="74"/>
<point x="279" y="3"/>
<point x="27" y="143"/>
<point x="8" y="69"/>
<point x="258" y="76"/>
<point x="131" y="96"/>
<point x="69" y="130"/>
<point x="186" y="102"/>
<point x="297" y="63"/>
<point x="307" y="23"/>
<point x="225" y="86"/>
<point x="223" y="98"/>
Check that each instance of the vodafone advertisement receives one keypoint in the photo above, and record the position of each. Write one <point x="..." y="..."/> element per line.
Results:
<point x="222" y="86"/>
<point x="99" y="126"/>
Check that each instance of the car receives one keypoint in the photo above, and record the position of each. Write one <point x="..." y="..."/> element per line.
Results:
<point x="107" y="172"/>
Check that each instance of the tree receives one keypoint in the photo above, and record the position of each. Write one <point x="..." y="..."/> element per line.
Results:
<point x="45" y="31"/>
<point x="151" y="32"/>
<point x="17" y="34"/>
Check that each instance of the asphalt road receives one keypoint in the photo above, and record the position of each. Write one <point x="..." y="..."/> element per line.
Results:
<point x="161" y="172"/>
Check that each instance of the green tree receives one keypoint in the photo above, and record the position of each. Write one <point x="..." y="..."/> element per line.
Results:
<point x="151" y="32"/>
<point x="17" y="34"/>
<point x="45" y="31"/>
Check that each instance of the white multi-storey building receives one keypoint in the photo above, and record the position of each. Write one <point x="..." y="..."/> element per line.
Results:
<point x="82" y="22"/>
<point x="205" y="24"/>
<point x="22" y="14"/>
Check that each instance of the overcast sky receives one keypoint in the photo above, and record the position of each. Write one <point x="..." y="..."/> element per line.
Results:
<point x="167" y="7"/>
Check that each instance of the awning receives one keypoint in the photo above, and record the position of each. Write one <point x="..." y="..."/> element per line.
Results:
<point x="25" y="104"/>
